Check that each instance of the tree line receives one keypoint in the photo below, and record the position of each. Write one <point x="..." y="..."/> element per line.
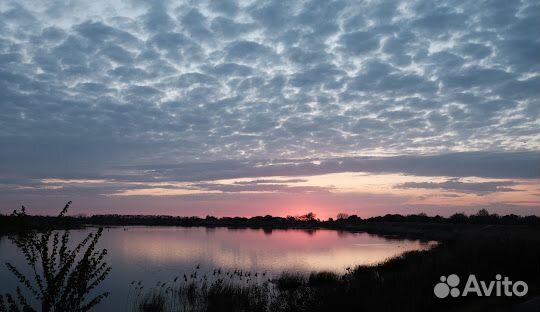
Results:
<point x="20" y="220"/>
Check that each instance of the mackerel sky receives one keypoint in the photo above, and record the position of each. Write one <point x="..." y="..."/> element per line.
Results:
<point x="270" y="107"/>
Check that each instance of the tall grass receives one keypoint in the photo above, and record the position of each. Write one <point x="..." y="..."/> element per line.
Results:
<point x="403" y="283"/>
<point x="63" y="278"/>
<point x="234" y="291"/>
<point x="204" y="291"/>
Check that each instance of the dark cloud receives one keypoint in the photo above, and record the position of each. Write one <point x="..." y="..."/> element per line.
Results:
<point x="229" y="28"/>
<point x="117" y="54"/>
<point x="274" y="15"/>
<point x="440" y="19"/>
<point x="158" y="20"/>
<point x="517" y="165"/>
<point x="323" y="75"/>
<point x="196" y="25"/>
<point x="455" y="185"/>
<point x="243" y="51"/>
<point x="96" y="33"/>
<point x="360" y="42"/>
<point x="230" y="69"/>
<point x="260" y="187"/>
<point x="229" y="7"/>
<point x="86" y="87"/>
<point x="267" y="181"/>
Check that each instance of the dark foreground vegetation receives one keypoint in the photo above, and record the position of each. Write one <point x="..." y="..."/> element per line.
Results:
<point x="62" y="278"/>
<point x="404" y="283"/>
<point x="482" y="244"/>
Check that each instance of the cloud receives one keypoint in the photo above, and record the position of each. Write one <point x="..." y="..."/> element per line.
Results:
<point x="267" y="181"/>
<point x="89" y="86"/>
<point x="359" y="42"/>
<point x="518" y="165"/>
<point x="228" y="28"/>
<point x="288" y="73"/>
<point x="230" y="69"/>
<point x="248" y="51"/>
<point x="228" y="7"/>
<point x="455" y="185"/>
<point x="260" y="188"/>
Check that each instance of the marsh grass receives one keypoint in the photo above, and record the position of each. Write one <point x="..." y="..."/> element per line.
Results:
<point x="204" y="291"/>
<point x="285" y="292"/>
<point x="403" y="283"/>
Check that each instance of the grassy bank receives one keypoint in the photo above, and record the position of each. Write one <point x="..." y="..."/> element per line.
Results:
<point x="404" y="283"/>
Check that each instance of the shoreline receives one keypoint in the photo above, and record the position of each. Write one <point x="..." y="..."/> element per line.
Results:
<point x="419" y="227"/>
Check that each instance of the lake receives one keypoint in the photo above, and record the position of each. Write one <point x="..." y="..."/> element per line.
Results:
<point x="152" y="254"/>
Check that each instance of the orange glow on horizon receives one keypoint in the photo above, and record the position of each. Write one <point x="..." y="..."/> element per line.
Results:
<point x="326" y="195"/>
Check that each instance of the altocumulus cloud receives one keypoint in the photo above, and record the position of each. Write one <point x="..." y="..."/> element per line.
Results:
<point x="88" y="86"/>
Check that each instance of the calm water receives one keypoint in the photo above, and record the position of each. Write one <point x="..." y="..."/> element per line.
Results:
<point x="154" y="254"/>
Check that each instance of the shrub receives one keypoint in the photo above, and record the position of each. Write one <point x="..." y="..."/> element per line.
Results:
<point x="63" y="277"/>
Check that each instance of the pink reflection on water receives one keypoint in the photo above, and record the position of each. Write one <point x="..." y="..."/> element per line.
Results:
<point x="249" y="249"/>
<point x="152" y="254"/>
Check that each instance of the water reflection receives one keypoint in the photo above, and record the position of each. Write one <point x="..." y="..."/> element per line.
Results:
<point x="248" y="249"/>
<point x="158" y="253"/>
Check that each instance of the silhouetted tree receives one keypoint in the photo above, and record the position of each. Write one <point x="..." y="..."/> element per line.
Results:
<point x="342" y="216"/>
<point x="310" y="216"/>
<point x="482" y="213"/>
<point x="459" y="218"/>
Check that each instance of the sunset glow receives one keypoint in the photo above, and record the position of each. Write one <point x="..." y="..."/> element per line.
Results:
<point x="278" y="108"/>
<point x="324" y="194"/>
<point x="269" y="155"/>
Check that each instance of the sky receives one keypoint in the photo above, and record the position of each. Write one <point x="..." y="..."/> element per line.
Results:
<point x="250" y="108"/>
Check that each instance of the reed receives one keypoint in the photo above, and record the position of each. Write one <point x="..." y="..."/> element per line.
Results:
<point x="403" y="283"/>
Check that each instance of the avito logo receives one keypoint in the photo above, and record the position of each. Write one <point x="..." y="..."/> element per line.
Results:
<point x="499" y="287"/>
